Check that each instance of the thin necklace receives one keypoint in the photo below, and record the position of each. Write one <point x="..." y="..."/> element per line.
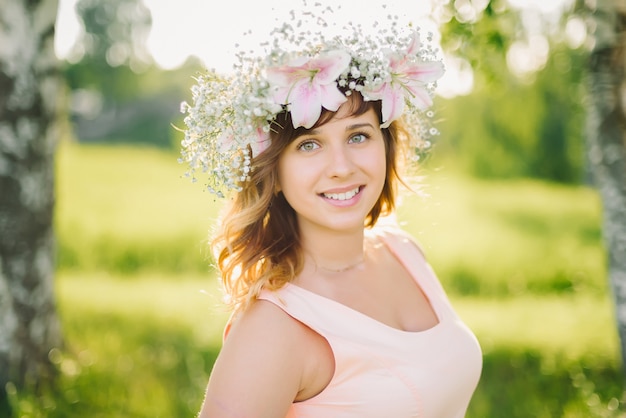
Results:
<point x="342" y="269"/>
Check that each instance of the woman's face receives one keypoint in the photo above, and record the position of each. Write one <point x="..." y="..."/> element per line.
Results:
<point x="332" y="175"/>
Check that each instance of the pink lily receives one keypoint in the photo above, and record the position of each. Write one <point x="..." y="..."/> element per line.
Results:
<point x="307" y="85"/>
<point x="408" y="79"/>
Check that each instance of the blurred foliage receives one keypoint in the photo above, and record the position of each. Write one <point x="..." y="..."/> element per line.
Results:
<point x="480" y="32"/>
<point x="111" y="49"/>
<point x="517" y="129"/>
<point x="514" y="123"/>
<point x="117" y="92"/>
<point x="135" y="108"/>
<point x="114" y="32"/>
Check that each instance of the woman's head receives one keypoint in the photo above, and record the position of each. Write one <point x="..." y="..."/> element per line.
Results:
<point x="264" y="179"/>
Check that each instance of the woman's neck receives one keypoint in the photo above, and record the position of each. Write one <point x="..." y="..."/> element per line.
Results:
<point x="334" y="251"/>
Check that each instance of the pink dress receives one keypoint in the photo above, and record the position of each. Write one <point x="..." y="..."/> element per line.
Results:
<point x="381" y="371"/>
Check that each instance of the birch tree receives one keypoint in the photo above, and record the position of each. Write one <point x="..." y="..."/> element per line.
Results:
<point x="29" y="96"/>
<point x="606" y="141"/>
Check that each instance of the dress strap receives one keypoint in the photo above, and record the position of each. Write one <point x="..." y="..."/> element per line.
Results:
<point x="410" y="254"/>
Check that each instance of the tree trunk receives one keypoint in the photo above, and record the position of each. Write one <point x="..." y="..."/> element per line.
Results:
<point x="606" y="135"/>
<point x="29" y="97"/>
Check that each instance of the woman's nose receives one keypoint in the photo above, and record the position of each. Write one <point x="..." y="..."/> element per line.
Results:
<point x="340" y="162"/>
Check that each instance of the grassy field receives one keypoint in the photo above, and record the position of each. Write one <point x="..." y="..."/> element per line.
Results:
<point x="140" y="308"/>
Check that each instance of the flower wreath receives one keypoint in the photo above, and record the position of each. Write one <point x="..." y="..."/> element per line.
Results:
<point x="229" y="120"/>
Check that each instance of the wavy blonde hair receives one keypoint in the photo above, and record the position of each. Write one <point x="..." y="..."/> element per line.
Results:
<point x="256" y="244"/>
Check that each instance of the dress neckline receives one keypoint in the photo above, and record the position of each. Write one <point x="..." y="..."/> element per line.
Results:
<point x="426" y="291"/>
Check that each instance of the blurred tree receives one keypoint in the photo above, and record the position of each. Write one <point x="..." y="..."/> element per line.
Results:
<point x="522" y="117"/>
<point x="508" y="128"/>
<point x="606" y="136"/>
<point x="29" y="82"/>
<point x="111" y="48"/>
<point x="108" y="71"/>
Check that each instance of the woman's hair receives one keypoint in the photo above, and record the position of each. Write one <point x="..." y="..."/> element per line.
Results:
<point x="256" y="244"/>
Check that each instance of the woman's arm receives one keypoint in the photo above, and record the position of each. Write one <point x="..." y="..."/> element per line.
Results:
<point x="260" y="368"/>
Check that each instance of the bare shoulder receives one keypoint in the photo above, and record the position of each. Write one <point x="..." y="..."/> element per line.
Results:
<point x="399" y="236"/>
<point x="262" y="322"/>
<point x="259" y="370"/>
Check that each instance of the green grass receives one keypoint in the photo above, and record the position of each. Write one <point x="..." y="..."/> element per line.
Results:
<point x="522" y="260"/>
<point x="126" y="209"/>
<point x="506" y="238"/>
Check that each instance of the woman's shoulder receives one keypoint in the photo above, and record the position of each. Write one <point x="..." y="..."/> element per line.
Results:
<point x="262" y="354"/>
<point x="290" y="351"/>
<point x="255" y="360"/>
<point x="266" y="324"/>
<point x="262" y="319"/>
<point x="396" y="238"/>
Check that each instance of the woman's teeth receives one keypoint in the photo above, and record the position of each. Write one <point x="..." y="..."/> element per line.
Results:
<point x="342" y="196"/>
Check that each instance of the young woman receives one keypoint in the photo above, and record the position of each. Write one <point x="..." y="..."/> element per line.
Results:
<point x="333" y="316"/>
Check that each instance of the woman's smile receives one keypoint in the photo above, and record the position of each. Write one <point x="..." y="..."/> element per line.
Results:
<point x="343" y="197"/>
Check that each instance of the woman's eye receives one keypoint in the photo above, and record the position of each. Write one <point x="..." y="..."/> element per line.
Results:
<point x="358" y="138"/>
<point x="308" y="146"/>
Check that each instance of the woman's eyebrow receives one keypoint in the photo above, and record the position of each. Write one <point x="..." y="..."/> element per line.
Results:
<point x="348" y="128"/>
<point x="359" y="125"/>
